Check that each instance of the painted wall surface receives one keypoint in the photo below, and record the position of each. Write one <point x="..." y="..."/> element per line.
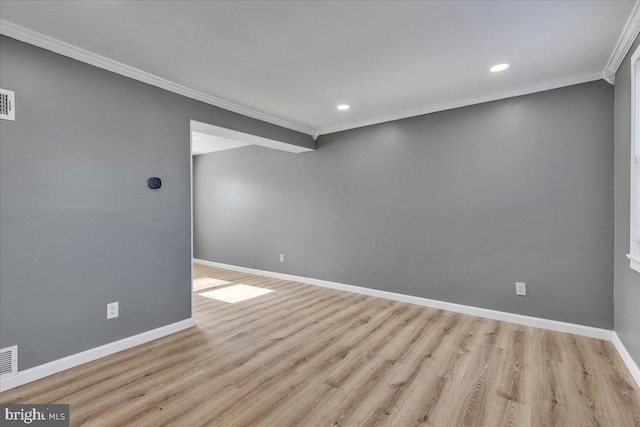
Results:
<point x="455" y="206"/>
<point x="626" y="280"/>
<point x="79" y="226"/>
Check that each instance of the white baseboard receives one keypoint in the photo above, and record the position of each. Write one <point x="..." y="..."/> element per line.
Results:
<point x="38" y="372"/>
<point x="626" y="357"/>
<point x="537" y="322"/>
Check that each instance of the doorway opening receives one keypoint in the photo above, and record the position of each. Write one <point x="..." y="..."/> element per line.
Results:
<point x="211" y="281"/>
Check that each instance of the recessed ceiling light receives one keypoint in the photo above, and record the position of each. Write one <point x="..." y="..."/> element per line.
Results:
<point x="499" y="67"/>
<point x="343" y="107"/>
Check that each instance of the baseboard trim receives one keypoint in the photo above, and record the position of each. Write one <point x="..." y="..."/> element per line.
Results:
<point x="38" y="372"/>
<point x="537" y="322"/>
<point x="626" y="357"/>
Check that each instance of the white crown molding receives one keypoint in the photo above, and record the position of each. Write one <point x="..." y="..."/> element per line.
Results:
<point x="520" y="319"/>
<point x="37" y="39"/>
<point x="627" y="37"/>
<point x="626" y="358"/>
<point x="610" y="77"/>
<point x="42" y="371"/>
<point x="465" y="102"/>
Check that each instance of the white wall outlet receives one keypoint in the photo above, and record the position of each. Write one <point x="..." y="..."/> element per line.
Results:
<point x="521" y="288"/>
<point x="112" y="310"/>
<point x="281" y="257"/>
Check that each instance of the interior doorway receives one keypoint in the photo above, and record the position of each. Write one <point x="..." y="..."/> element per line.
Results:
<point x="208" y="279"/>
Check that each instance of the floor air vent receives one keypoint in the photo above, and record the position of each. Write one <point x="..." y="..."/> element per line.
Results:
<point x="7" y="105"/>
<point x="8" y="362"/>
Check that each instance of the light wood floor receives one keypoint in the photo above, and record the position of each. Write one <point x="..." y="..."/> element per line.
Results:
<point x="309" y="356"/>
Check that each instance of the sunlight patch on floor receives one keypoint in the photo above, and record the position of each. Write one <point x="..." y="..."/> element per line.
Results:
<point x="207" y="282"/>
<point x="235" y="293"/>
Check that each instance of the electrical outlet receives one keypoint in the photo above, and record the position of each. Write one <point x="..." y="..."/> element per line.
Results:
<point x="521" y="288"/>
<point x="281" y="257"/>
<point x="112" y="310"/>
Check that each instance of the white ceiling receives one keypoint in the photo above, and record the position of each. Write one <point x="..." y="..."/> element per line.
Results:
<point x="296" y="61"/>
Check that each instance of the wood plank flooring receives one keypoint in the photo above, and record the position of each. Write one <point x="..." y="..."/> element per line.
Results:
<point x="308" y="356"/>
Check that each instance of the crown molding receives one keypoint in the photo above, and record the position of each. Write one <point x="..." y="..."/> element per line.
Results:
<point x="628" y="36"/>
<point x="37" y="39"/>
<point x="609" y="77"/>
<point x="449" y="105"/>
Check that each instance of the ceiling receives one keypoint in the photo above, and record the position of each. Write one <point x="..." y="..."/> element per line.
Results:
<point x="292" y="63"/>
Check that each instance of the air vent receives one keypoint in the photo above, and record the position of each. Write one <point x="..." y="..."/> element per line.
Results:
<point x="7" y="105"/>
<point x="8" y="361"/>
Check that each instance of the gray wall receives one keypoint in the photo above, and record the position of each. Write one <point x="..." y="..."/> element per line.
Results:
<point x="455" y="206"/>
<point x="79" y="226"/>
<point x="626" y="280"/>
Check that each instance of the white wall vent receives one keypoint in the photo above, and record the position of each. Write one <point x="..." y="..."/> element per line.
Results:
<point x="7" y="105"/>
<point x="8" y="362"/>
